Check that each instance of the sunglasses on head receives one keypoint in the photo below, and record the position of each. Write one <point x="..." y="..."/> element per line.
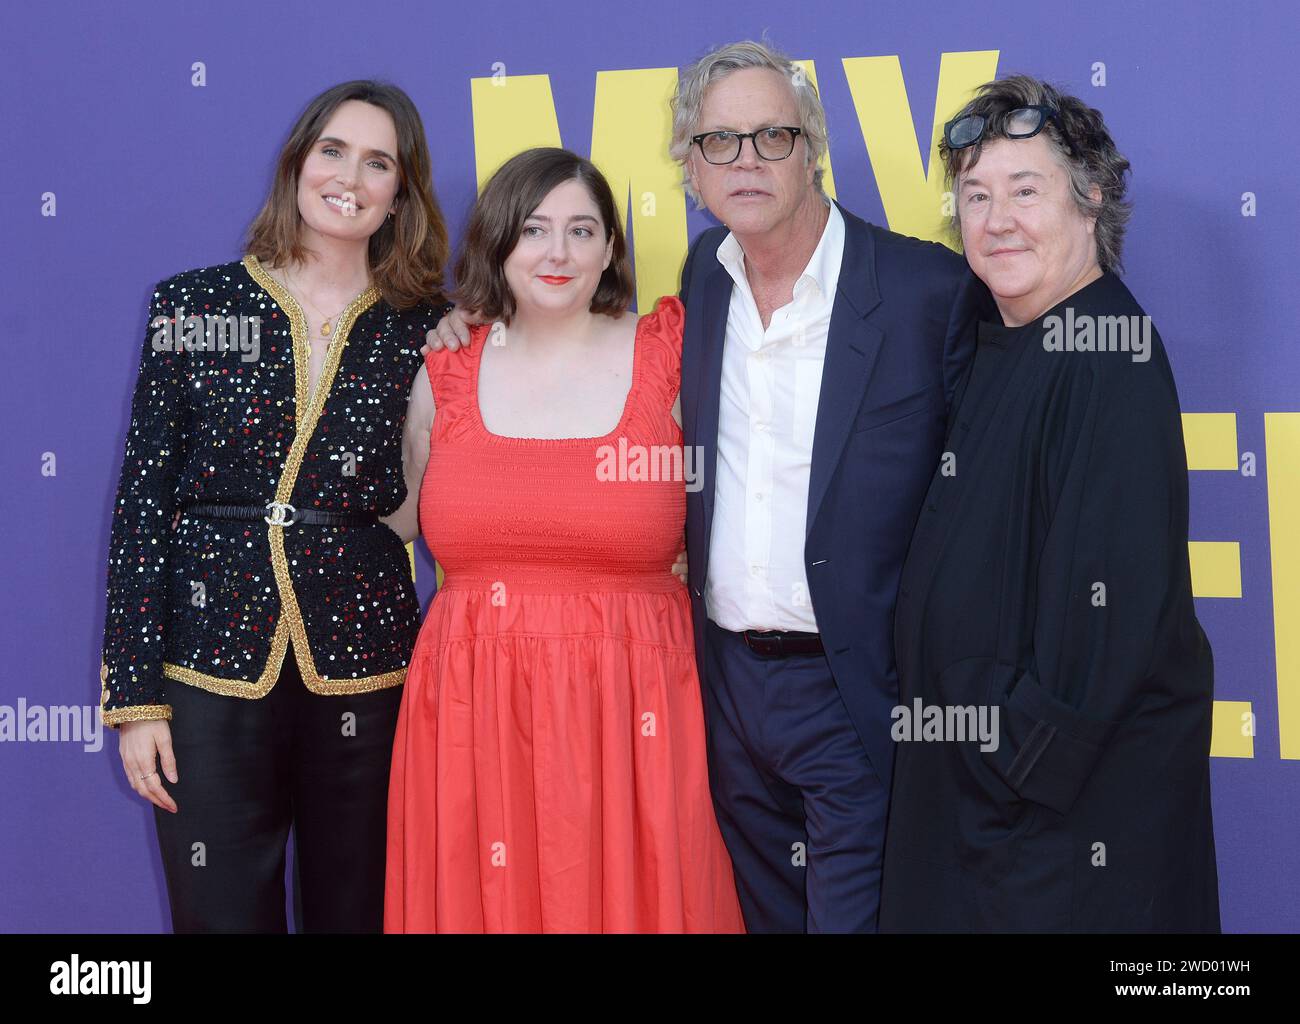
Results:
<point x="1021" y="123"/>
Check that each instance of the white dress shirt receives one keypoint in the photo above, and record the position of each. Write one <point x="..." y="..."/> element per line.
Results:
<point x="771" y="382"/>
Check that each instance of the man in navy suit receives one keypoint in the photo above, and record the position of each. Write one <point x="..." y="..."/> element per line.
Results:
<point x="819" y="358"/>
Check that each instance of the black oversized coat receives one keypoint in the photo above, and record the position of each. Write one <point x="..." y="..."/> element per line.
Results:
<point x="1048" y="580"/>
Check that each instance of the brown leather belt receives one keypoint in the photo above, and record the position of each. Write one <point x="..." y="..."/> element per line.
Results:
<point x="776" y="643"/>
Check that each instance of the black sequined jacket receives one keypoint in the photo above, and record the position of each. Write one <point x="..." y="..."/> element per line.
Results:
<point x="221" y="414"/>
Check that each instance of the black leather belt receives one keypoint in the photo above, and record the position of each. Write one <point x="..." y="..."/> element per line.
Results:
<point x="775" y="643"/>
<point x="281" y="513"/>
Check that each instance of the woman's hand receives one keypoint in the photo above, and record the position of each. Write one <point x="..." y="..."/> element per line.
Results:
<point x="679" y="567"/>
<point x="452" y="331"/>
<point x="141" y="745"/>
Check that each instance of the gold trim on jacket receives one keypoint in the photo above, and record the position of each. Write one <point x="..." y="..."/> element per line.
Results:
<point x="132" y="712"/>
<point x="290" y="623"/>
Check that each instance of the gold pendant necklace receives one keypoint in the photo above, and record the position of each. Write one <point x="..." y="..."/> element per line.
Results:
<point x="326" y="327"/>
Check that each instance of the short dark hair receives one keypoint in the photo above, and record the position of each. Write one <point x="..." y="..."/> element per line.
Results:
<point x="409" y="251"/>
<point x="1094" y="161"/>
<point x="508" y="199"/>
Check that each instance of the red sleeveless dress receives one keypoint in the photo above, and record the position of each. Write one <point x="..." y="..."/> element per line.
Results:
<point x="549" y="769"/>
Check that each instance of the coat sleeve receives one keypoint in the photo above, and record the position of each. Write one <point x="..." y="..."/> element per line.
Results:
<point x="971" y="302"/>
<point x="1113" y="580"/>
<point x="131" y="672"/>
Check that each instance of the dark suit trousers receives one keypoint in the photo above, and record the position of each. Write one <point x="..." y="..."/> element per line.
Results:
<point x="251" y="769"/>
<point x="798" y="803"/>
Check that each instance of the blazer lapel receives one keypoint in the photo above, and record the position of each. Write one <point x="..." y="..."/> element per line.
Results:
<point x="717" y="300"/>
<point x="852" y="345"/>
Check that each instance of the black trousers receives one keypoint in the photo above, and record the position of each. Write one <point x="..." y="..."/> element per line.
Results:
<point x="251" y="769"/>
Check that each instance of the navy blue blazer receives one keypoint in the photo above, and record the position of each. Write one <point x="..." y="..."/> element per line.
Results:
<point x="902" y="332"/>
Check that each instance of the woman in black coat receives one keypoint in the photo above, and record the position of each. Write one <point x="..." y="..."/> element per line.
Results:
<point x="1056" y="689"/>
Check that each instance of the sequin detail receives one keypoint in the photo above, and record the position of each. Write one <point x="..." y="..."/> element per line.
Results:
<point x="214" y="603"/>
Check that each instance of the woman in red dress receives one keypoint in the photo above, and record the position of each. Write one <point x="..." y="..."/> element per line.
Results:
<point x="549" y="769"/>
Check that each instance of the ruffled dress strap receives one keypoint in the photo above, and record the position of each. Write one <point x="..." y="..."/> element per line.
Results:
<point x="659" y="357"/>
<point x="453" y="379"/>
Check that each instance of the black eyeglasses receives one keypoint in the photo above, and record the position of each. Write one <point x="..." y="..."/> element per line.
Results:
<point x="774" y="143"/>
<point x="1021" y="123"/>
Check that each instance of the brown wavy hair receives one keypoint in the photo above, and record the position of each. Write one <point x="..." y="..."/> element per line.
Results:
<point x="508" y="199"/>
<point x="1086" y="150"/>
<point x="409" y="252"/>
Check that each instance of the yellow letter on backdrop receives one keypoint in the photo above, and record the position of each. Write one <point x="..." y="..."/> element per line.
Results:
<point x="913" y="199"/>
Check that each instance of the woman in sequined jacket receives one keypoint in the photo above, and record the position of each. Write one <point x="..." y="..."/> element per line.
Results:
<point x="250" y="538"/>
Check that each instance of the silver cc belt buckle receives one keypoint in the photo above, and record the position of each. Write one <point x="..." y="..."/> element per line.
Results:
<point x="278" y="510"/>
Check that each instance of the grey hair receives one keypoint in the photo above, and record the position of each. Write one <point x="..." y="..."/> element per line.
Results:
<point x="1095" y="160"/>
<point x="688" y="102"/>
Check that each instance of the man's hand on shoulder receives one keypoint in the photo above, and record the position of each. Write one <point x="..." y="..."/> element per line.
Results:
<point x="452" y="331"/>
